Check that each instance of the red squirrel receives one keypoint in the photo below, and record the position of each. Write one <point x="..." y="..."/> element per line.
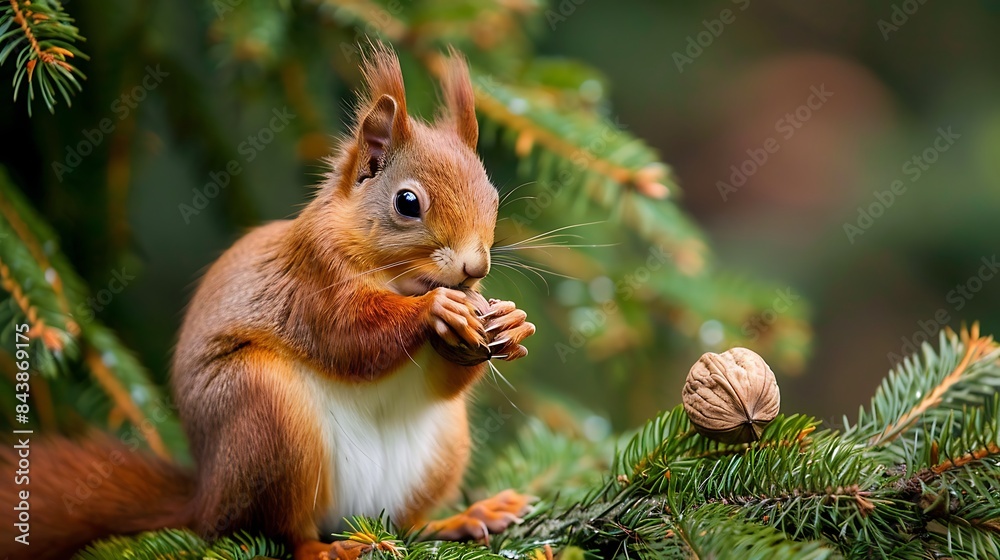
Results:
<point x="310" y="372"/>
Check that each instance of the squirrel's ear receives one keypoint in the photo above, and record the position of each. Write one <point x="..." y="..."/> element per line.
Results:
<point x="375" y="136"/>
<point x="382" y="121"/>
<point x="460" y="99"/>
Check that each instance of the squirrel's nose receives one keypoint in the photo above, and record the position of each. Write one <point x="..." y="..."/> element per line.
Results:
<point x="476" y="270"/>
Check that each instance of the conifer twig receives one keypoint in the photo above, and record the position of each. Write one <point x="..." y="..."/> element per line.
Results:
<point x="975" y="455"/>
<point x="47" y="35"/>
<point x="113" y="387"/>
<point x="975" y="348"/>
<point x="35" y="248"/>
<point x="49" y="337"/>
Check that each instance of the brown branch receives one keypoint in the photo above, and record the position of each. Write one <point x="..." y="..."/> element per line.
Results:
<point x="801" y="439"/>
<point x="49" y="336"/>
<point x="51" y="55"/>
<point x="114" y="388"/>
<point x="992" y="525"/>
<point x="975" y="455"/>
<point x="862" y="498"/>
<point x="24" y="234"/>
<point x="23" y="22"/>
<point x="646" y="180"/>
<point x="975" y="348"/>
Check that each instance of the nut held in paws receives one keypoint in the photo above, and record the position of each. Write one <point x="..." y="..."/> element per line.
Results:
<point x="730" y="397"/>
<point x="463" y="354"/>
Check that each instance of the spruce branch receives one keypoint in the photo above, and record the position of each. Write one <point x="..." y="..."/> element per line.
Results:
<point x="975" y="349"/>
<point x="12" y="210"/>
<point x="552" y="115"/>
<point x="122" y="399"/>
<point x="40" y="287"/>
<point x="543" y="463"/>
<point x="51" y="338"/>
<point x="43" y="36"/>
<point x="719" y="531"/>
<point x="919" y="392"/>
<point x="182" y="543"/>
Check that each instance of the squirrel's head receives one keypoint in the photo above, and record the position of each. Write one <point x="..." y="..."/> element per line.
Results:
<point x="410" y="202"/>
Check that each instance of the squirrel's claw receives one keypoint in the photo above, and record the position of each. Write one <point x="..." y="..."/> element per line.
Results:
<point x="508" y="326"/>
<point x="492" y="515"/>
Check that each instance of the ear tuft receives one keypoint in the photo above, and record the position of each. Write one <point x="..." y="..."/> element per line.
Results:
<point x="383" y="76"/>
<point x="460" y="99"/>
<point x="382" y="122"/>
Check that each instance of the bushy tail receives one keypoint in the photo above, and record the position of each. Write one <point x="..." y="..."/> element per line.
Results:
<point x="81" y="491"/>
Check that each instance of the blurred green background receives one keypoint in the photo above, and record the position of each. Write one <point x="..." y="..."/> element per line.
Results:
<point x="708" y="85"/>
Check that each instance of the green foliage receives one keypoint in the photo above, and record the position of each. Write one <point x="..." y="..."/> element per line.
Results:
<point x="916" y="476"/>
<point x="941" y="382"/>
<point x="673" y="494"/>
<point x="177" y="543"/>
<point x="555" y="117"/>
<point x="800" y="491"/>
<point x="543" y="463"/>
<point x="41" y="289"/>
<point x="41" y="38"/>
<point x="720" y="531"/>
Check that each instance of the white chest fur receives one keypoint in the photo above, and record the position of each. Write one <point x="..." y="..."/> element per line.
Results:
<point x="381" y="439"/>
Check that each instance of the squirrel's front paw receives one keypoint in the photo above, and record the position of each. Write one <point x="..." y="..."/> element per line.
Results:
<point x="507" y="326"/>
<point x="454" y="320"/>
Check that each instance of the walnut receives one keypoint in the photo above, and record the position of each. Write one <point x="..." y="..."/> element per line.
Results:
<point x="730" y="397"/>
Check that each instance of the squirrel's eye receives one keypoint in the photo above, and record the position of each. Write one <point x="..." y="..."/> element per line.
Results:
<point x="407" y="204"/>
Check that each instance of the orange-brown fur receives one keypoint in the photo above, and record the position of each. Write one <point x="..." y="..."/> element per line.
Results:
<point x="301" y="293"/>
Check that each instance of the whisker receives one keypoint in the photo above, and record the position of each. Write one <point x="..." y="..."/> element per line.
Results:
<point x="553" y="246"/>
<point x="411" y="269"/>
<point x="360" y="274"/>
<point x="538" y="269"/>
<point x="549" y="238"/>
<point x="512" y="267"/>
<point x="518" y="266"/>
<point x="512" y="201"/>
<point x="564" y="228"/>
<point x="514" y="190"/>
<point x="540" y="238"/>
<point x="512" y="282"/>
<point x="496" y="372"/>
